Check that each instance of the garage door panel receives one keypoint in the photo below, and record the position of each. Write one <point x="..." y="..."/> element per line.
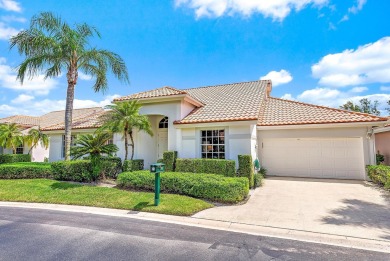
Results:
<point x="318" y="158"/>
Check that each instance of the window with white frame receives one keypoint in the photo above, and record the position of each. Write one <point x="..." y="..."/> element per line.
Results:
<point x="73" y="139"/>
<point x="20" y="149"/>
<point x="163" y="124"/>
<point x="213" y="144"/>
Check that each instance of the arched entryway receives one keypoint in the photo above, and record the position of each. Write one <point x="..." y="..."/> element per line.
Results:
<point x="162" y="137"/>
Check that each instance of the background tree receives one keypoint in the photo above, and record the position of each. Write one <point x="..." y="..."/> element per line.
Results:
<point x="52" y="44"/>
<point x="388" y="108"/>
<point x="95" y="146"/>
<point x="36" y="136"/>
<point x="366" y="106"/>
<point x="10" y="136"/>
<point x="124" y="118"/>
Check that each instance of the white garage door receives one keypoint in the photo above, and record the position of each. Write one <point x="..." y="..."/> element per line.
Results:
<point x="340" y="158"/>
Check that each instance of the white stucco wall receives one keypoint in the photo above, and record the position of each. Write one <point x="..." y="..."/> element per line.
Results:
<point x="356" y="132"/>
<point x="55" y="148"/>
<point x="39" y="153"/>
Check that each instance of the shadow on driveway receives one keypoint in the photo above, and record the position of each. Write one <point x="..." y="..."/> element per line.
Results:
<point x="363" y="214"/>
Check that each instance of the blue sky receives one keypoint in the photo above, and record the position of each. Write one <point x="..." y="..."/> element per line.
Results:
<point x="318" y="51"/>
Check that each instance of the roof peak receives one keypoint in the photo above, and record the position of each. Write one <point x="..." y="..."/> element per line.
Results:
<point x="225" y="84"/>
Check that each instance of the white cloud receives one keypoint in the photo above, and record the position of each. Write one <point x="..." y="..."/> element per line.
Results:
<point x="47" y="105"/>
<point x="7" y="31"/>
<point x="335" y="98"/>
<point x="22" y="98"/>
<point x="369" y="63"/>
<point x="354" y="9"/>
<point x="85" y="77"/>
<point x="385" y="88"/>
<point x="13" y="18"/>
<point x="277" y="10"/>
<point x="38" y="85"/>
<point x="358" y="89"/>
<point x="278" y="78"/>
<point x="287" y="96"/>
<point x="10" y="5"/>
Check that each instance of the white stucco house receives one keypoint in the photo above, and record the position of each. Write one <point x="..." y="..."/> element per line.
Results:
<point x="289" y="138"/>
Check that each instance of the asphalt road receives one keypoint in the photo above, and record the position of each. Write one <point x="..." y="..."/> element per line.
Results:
<point x="33" y="234"/>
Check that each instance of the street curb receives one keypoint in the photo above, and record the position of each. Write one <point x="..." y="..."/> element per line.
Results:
<point x="252" y="229"/>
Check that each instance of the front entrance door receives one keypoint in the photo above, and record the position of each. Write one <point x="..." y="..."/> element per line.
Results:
<point x="162" y="143"/>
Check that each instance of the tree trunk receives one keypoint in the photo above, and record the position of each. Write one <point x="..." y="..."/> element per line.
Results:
<point x="132" y="144"/>
<point x="126" y="144"/>
<point x="72" y="80"/>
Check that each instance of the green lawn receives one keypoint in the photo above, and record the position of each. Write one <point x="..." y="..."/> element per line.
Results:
<point x="51" y="191"/>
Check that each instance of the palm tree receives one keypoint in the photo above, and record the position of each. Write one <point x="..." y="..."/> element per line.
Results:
<point x="94" y="146"/>
<point x="51" y="44"/>
<point x="10" y="136"/>
<point x="36" y="136"/>
<point x="124" y="118"/>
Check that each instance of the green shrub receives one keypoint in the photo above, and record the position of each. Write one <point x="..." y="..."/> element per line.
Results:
<point x="206" y="186"/>
<point x="379" y="174"/>
<point x="75" y="170"/>
<point x="133" y="165"/>
<point x="111" y="167"/>
<point x="169" y="159"/>
<point x="258" y="180"/>
<point x="263" y="171"/>
<point x="212" y="166"/>
<point x="25" y="170"/>
<point x="379" y="158"/>
<point x="11" y="158"/>
<point x="246" y="168"/>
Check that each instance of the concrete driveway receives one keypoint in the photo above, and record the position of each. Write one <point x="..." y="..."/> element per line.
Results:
<point x="348" y="208"/>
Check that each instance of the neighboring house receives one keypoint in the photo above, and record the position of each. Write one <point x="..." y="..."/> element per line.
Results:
<point x="382" y="142"/>
<point x="48" y="123"/>
<point x="290" y="138"/>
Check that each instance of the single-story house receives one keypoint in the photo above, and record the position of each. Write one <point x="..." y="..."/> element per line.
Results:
<point x="382" y="142"/>
<point x="289" y="138"/>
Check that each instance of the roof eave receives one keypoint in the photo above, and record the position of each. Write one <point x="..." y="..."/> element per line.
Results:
<point x="321" y="125"/>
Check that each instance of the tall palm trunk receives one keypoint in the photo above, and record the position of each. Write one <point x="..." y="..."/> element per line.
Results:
<point x="72" y="80"/>
<point x="126" y="143"/>
<point x="132" y="144"/>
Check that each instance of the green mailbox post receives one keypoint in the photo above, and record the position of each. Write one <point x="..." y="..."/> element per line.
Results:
<point x="157" y="168"/>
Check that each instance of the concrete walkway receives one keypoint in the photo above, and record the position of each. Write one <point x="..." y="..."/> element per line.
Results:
<point x="346" y="208"/>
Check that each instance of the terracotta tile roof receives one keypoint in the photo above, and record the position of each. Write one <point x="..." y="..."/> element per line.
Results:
<point x="284" y="112"/>
<point x="160" y="92"/>
<point x="82" y="119"/>
<point x="227" y="102"/>
<point x="22" y="120"/>
<point x="54" y="120"/>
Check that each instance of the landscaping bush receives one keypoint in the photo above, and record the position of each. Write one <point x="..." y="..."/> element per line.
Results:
<point x="379" y="174"/>
<point x="25" y="170"/>
<point x="169" y="159"/>
<point x="111" y="167"/>
<point x="212" y="166"/>
<point x="258" y="180"/>
<point x="246" y="168"/>
<point x="133" y="165"/>
<point x="11" y="158"/>
<point x="206" y="186"/>
<point x="77" y="170"/>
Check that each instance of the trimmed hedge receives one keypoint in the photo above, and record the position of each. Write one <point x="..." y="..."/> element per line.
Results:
<point x="379" y="174"/>
<point x="211" y="166"/>
<point x="246" y="168"/>
<point x="205" y="186"/>
<point x="25" y="170"/>
<point x="169" y="159"/>
<point x="111" y="166"/>
<point x="12" y="158"/>
<point x="258" y="180"/>
<point x="75" y="170"/>
<point x="133" y="165"/>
